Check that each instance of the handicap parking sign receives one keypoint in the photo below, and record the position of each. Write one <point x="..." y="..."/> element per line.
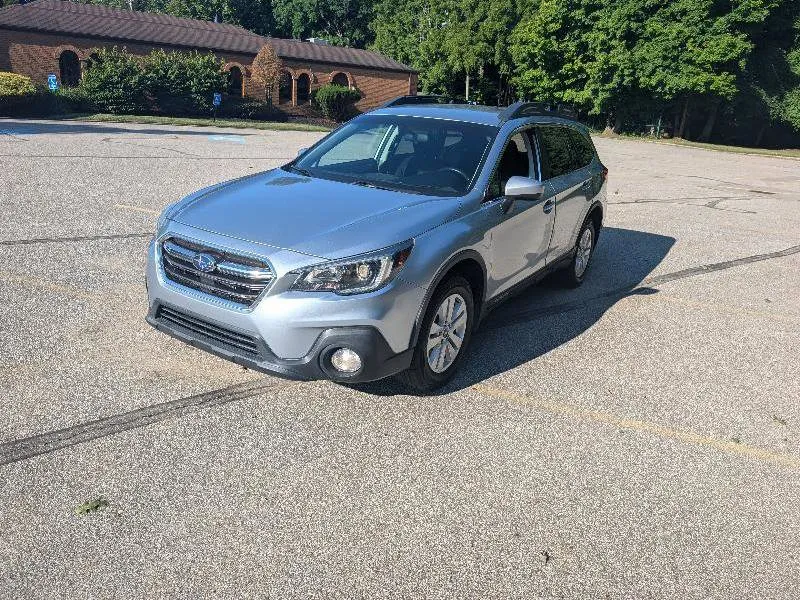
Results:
<point x="52" y="81"/>
<point x="217" y="99"/>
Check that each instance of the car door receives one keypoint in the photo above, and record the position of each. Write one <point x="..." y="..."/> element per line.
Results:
<point x="562" y="173"/>
<point x="519" y="229"/>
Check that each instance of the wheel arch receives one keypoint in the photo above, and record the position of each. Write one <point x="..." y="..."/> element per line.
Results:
<point x="595" y="213"/>
<point x="470" y="265"/>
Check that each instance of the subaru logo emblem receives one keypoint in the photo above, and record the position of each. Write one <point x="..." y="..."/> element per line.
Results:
<point x="204" y="262"/>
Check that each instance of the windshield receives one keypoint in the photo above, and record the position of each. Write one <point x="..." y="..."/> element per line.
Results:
<point x="417" y="154"/>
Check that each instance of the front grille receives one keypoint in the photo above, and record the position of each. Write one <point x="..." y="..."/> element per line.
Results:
<point x="222" y="335"/>
<point x="217" y="272"/>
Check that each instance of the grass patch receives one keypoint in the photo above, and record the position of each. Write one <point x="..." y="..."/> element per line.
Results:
<point x="789" y="152"/>
<point x="188" y="121"/>
<point x="91" y="506"/>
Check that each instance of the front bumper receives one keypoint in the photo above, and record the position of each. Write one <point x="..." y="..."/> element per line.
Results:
<point x="287" y="333"/>
<point x="378" y="359"/>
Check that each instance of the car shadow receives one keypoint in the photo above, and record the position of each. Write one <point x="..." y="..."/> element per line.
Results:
<point x="545" y="316"/>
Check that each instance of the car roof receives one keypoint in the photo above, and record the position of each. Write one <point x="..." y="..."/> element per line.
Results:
<point x="469" y="113"/>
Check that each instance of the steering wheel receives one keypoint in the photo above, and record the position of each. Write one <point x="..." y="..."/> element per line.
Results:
<point x="458" y="172"/>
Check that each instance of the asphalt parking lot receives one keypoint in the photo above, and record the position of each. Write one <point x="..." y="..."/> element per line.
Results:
<point x="636" y="438"/>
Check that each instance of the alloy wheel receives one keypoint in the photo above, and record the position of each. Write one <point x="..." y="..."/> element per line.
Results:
<point x="583" y="252"/>
<point x="447" y="333"/>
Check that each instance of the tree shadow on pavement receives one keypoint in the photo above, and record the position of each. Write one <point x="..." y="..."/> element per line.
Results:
<point x="545" y="316"/>
<point x="22" y="128"/>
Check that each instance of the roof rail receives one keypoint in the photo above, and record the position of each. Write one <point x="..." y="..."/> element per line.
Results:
<point x="430" y="99"/>
<point x="538" y="109"/>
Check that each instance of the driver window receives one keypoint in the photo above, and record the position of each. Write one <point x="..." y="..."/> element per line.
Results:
<point x="515" y="160"/>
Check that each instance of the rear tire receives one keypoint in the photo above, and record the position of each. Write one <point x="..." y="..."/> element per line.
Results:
<point x="443" y="337"/>
<point x="574" y="274"/>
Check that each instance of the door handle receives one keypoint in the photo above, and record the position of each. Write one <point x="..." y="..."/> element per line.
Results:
<point x="548" y="206"/>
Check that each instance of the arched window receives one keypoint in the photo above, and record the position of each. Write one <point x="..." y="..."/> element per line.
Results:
<point x="235" y="82"/>
<point x="340" y="79"/>
<point x="70" y="68"/>
<point x="284" y="88"/>
<point x="303" y="89"/>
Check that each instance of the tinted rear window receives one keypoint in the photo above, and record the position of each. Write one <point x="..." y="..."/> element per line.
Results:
<point x="581" y="149"/>
<point x="556" y="151"/>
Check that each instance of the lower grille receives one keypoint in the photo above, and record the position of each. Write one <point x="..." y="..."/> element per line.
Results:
<point x="221" y="335"/>
<point x="220" y="273"/>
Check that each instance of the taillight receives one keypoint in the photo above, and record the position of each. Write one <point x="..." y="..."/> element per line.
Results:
<point x="605" y="173"/>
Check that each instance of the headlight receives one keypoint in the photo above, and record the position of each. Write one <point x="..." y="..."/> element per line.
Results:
<point x="353" y="276"/>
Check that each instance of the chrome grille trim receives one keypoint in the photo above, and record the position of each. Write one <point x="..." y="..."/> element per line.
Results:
<point x="236" y="278"/>
<point x="240" y="341"/>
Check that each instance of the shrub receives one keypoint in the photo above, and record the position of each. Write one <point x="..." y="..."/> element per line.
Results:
<point x="72" y="99"/>
<point x="114" y="82"/>
<point x="16" y="91"/>
<point x="337" y="101"/>
<point x="15" y="85"/>
<point x="247" y="108"/>
<point x="180" y="83"/>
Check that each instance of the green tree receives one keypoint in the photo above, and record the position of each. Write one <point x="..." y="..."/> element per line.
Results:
<point x="695" y="50"/>
<point x="770" y="87"/>
<point x="454" y="44"/>
<point x="340" y="22"/>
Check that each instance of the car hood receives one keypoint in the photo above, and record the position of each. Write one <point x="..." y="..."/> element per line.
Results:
<point x="323" y="218"/>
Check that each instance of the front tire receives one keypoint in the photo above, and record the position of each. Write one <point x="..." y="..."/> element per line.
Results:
<point x="443" y="338"/>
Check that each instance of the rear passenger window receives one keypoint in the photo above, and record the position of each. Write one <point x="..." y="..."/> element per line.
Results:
<point x="556" y="153"/>
<point x="581" y="149"/>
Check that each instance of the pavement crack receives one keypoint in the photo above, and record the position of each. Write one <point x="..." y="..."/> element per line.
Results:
<point x="109" y="140"/>
<point x="78" y="238"/>
<point x="713" y="203"/>
<point x="642" y="288"/>
<point x="29" y="447"/>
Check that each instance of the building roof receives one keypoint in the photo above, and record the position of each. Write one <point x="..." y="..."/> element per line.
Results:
<point x="114" y="24"/>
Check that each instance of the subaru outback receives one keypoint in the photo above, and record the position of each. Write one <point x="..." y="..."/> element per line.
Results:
<point x="378" y="250"/>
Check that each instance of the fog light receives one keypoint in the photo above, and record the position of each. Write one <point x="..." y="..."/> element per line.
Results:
<point x="345" y="360"/>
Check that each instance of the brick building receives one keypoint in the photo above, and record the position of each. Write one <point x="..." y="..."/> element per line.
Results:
<point x="53" y="36"/>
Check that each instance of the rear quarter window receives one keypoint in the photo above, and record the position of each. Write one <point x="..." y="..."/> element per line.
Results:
<point x="582" y="149"/>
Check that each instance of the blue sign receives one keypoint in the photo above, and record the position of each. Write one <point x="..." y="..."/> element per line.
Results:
<point x="217" y="99"/>
<point x="52" y="81"/>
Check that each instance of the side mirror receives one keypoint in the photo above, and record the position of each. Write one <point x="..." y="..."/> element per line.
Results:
<point x="524" y="188"/>
<point x="302" y="151"/>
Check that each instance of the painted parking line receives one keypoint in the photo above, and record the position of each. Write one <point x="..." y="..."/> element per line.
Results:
<point x="236" y="139"/>
<point x="689" y="437"/>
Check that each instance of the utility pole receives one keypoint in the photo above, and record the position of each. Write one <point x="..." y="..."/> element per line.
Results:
<point x="467" y="88"/>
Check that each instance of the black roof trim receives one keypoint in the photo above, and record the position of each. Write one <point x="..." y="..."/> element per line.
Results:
<point x="422" y="99"/>
<point x="520" y="110"/>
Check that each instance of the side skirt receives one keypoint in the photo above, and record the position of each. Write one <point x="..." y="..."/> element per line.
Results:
<point x="559" y="263"/>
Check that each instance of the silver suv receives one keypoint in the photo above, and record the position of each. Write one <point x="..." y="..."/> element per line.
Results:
<point x="379" y="249"/>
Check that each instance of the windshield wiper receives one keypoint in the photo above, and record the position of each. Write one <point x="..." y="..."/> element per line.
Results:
<point x="299" y="170"/>
<point x="374" y="186"/>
